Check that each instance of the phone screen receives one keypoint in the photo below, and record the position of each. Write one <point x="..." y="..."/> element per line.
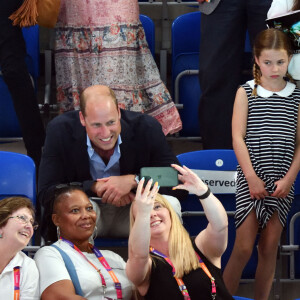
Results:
<point x="165" y="176"/>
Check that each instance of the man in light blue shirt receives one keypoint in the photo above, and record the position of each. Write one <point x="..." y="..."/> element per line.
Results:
<point x="103" y="148"/>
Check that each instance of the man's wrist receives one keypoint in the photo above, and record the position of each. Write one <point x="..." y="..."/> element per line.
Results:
<point x="93" y="186"/>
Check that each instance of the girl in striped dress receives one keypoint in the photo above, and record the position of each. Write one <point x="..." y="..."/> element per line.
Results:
<point x="266" y="140"/>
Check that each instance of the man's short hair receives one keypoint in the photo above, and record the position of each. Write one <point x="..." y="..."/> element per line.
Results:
<point x="83" y="100"/>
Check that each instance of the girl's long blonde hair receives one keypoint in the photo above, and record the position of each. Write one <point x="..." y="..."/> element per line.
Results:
<point x="182" y="253"/>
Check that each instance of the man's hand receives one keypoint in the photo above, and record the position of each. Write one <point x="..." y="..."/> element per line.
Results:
<point x="127" y="199"/>
<point x="115" y="189"/>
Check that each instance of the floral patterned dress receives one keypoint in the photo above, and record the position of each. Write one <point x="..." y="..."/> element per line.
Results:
<point x="103" y="42"/>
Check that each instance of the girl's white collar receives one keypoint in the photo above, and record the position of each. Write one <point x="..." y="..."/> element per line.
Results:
<point x="262" y="92"/>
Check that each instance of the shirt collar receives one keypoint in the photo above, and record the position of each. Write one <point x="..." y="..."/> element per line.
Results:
<point x="15" y="262"/>
<point x="262" y="92"/>
<point x="91" y="150"/>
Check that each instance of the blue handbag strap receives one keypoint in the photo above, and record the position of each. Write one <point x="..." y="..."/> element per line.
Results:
<point x="71" y="269"/>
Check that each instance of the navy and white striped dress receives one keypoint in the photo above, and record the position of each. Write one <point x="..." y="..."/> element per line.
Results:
<point x="270" y="139"/>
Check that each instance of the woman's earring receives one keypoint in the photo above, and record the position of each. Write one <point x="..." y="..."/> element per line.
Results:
<point x="94" y="235"/>
<point x="58" y="232"/>
<point x="1" y="236"/>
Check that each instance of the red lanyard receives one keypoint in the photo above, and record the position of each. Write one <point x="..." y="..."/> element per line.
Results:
<point x="16" y="283"/>
<point x="180" y="282"/>
<point x="105" y="264"/>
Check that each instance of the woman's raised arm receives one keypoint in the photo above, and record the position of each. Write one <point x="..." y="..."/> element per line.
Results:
<point x="212" y="241"/>
<point x="139" y="263"/>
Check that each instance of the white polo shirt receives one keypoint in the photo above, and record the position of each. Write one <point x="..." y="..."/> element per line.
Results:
<point x="29" y="278"/>
<point x="52" y="269"/>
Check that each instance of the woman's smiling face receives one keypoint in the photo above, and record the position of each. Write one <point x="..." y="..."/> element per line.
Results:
<point x="19" y="229"/>
<point x="75" y="216"/>
<point x="160" y="220"/>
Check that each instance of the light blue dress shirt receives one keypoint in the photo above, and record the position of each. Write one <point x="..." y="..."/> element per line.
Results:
<point x="98" y="168"/>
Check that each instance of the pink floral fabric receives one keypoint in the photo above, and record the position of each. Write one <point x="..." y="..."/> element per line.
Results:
<point x="103" y="42"/>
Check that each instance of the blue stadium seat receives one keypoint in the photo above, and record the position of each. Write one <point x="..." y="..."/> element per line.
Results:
<point x="149" y="29"/>
<point x="186" y="36"/>
<point x="185" y="57"/>
<point x="248" y="47"/>
<point x="31" y="36"/>
<point x="241" y="298"/>
<point x="9" y="124"/>
<point x="217" y="168"/>
<point x="17" y="176"/>
<point x="293" y="234"/>
<point x="296" y="213"/>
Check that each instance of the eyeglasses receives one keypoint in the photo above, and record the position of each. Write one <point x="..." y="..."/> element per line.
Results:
<point x="65" y="185"/>
<point x="25" y="220"/>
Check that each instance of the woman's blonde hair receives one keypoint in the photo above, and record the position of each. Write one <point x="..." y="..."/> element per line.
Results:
<point x="182" y="253"/>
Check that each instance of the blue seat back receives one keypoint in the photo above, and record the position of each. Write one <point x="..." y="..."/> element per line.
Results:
<point x="31" y="37"/>
<point x="295" y="208"/>
<point x="185" y="56"/>
<point x="17" y="176"/>
<point x="186" y="37"/>
<point x="248" y="47"/>
<point x="9" y="124"/>
<point x="149" y="29"/>
<point x="189" y="93"/>
<point x="217" y="168"/>
<point x="186" y="34"/>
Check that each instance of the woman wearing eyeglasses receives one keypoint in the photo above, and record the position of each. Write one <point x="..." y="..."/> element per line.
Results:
<point x="19" y="277"/>
<point x="72" y="268"/>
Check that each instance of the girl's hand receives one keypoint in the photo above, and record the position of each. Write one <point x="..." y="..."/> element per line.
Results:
<point x="257" y="188"/>
<point x="191" y="181"/>
<point x="283" y="187"/>
<point x="145" y="197"/>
